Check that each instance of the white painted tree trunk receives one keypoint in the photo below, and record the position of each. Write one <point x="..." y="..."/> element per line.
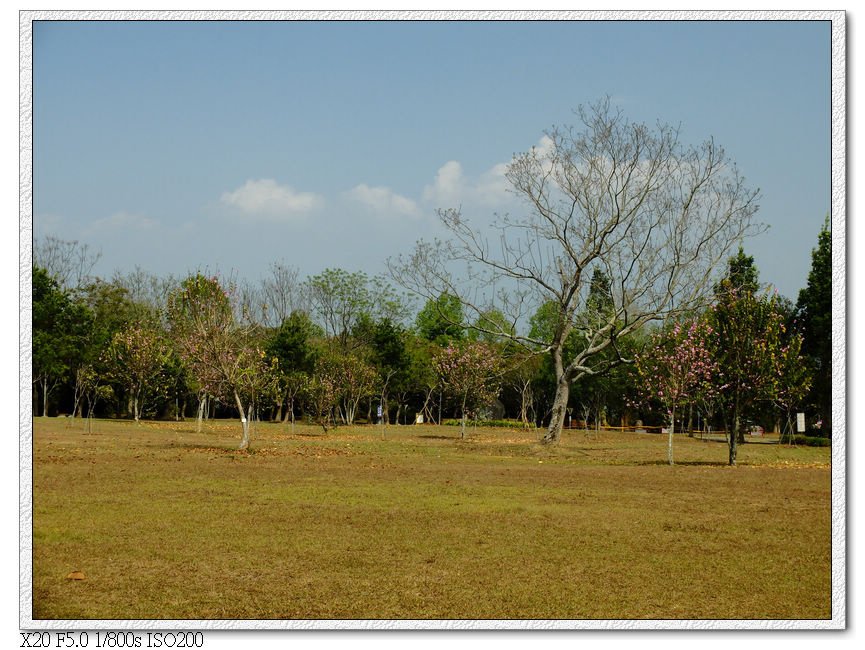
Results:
<point x="244" y="421"/>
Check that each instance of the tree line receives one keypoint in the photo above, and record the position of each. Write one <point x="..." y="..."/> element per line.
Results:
<point x="616" y="295"/>
<point x="348" y="344"/>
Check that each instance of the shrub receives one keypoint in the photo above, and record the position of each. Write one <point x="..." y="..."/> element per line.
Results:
<point x="811" y="441"/>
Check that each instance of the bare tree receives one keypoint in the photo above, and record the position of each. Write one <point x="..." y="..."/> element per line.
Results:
<point x="282" y="292"/>
<point x="68" y="262"/>
<point x="520" y="377"/>
<point x="657" y="217"/>
<point x="145" y="288"/>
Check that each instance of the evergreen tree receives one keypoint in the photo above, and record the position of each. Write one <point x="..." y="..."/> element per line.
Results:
<point x="814" y="309"/>
<point x="742" y="275"/>
<point x="291" y="343"/>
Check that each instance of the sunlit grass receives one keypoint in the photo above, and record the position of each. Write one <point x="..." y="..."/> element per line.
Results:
<point x="412" y="522"/>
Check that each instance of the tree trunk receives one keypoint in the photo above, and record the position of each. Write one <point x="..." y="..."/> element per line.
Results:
<point x="425" y="409"/>
<point x="560" y="409"/>
<point x="77" y="395"/>
<point x="244" y="421"/>
<point x="45" y="397"/>
<point x="202" y="404"/>
<point x="524" y="410"/>
<point x="690" y="420"/>
<point x="90" y="407"/>
<point x="670" y="439"/>
<point x="734" y="439"/>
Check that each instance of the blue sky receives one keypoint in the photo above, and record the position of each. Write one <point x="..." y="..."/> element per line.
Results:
<point x="232" y="145"/>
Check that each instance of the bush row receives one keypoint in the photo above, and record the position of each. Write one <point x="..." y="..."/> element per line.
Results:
<point x="810" y="441"/>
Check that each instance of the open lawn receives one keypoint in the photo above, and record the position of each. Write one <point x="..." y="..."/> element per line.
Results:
<point x="166" y="523"/>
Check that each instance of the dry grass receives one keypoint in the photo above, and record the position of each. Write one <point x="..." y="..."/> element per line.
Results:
<point x="168" y="524"/>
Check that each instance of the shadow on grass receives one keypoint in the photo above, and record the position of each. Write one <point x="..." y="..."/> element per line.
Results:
<point x="682" y="463"/>
<point x="188" y="446"/>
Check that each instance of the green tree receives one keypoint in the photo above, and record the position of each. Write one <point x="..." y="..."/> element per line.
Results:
<point x="747" y="339"/>
<point x="742" y="275"/>
<point x="814" y="315"/>
<point x="112" y="312"/>
<point x="291" y="345"/>
<point x="60" y="327"/>
<point x="600" y="301"/>
<point x="442" y="320"/>
<point x="390" y="357"/>
<point x="341" y="300"/>
<point x="492" y="326"/>
<point x="137" y="358"/>
<point x="421" y="377"/>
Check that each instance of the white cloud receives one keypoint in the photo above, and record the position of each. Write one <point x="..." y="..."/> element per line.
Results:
<point x="544" y="146"/>
<point x="492" y="187"/>
<point x="384" y="201"/>
<point x="123" y="220"/>
<point x="448" y="186"/>
<point x="266" y="197"/>
<point x="452" y="188"/>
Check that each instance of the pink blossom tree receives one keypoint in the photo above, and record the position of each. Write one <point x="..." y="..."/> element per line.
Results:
<point x="676" y="366"/>
<point x="792" y="381"/>
<point x="469" y="374"/>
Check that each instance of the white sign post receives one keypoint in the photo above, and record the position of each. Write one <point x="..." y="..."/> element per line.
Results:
<point x="800" y="423"/>
<point x="380" y="420"/>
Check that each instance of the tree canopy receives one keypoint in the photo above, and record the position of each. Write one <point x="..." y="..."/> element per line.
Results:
<point x="609" y="200"/>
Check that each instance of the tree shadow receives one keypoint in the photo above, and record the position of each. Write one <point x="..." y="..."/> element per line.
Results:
<point x="216" y="449"/>
<point x="682" y="463"/>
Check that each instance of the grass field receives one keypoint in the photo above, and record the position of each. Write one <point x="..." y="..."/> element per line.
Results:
<point x="166" y="523"/>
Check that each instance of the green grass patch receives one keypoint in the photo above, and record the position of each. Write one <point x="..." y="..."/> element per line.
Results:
<point x="413" y="522"/>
